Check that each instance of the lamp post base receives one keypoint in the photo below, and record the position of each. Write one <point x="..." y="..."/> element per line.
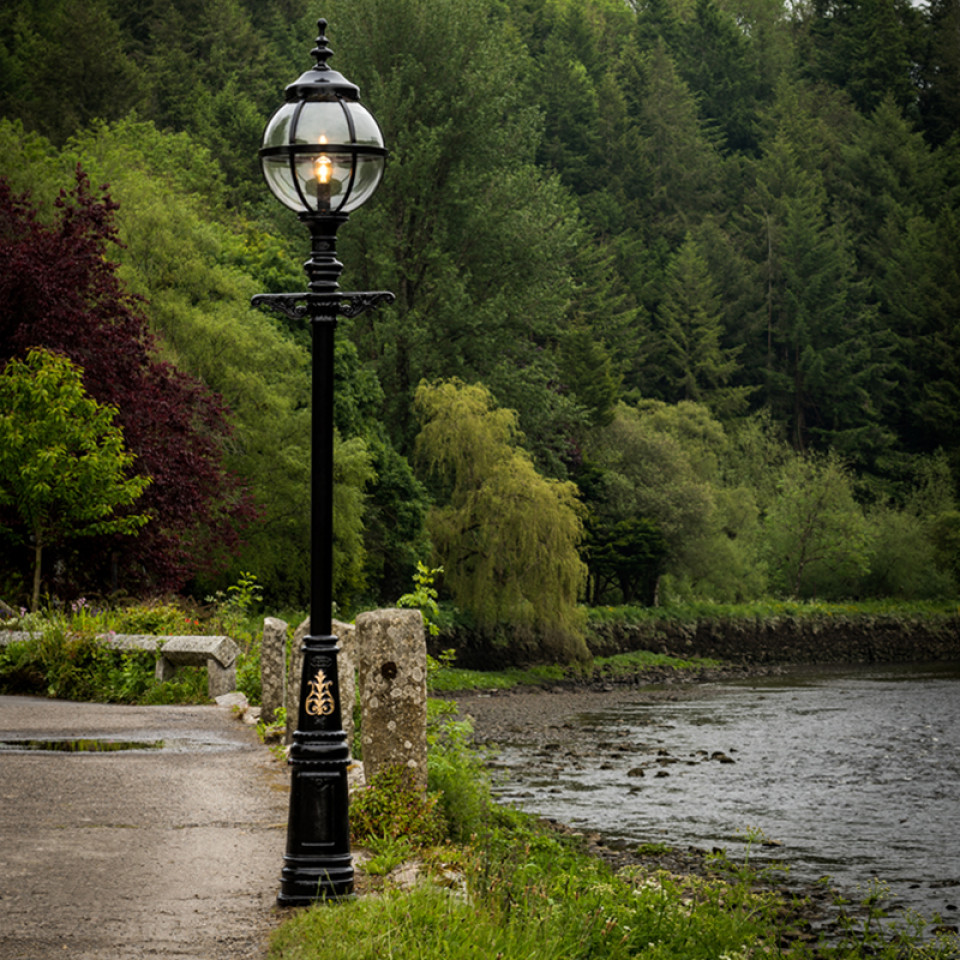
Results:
<point x="317" y="863"/>
<point x="303" y="882"/>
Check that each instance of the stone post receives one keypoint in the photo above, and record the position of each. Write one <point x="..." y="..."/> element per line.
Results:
<point x="346" y="669"/>
<point x="347" y="662"/>
<point x="392" y="652"/>
<point x="273" y="667"/>
<point x="293" y="685"/>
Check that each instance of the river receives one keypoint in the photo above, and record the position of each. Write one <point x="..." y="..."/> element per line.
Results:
<point x="851" y="773"/>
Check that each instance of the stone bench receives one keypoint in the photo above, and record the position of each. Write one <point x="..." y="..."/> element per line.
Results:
<point x="217" y="654"/>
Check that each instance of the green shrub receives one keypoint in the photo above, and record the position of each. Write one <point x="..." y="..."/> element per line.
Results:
<point x="904" y="560"/>
<point x="233" y="616"/>
<point x="188" y="686"/>
<point x="456" y="771"/>
<point x="248" y="669"/>
<point x="390" y="807"/>
<point x="163" y="619"/>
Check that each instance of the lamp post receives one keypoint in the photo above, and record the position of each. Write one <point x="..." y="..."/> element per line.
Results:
<point x="322" y="156"/>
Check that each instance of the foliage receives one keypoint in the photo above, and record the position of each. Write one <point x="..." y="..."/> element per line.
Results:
<point x="391" y="807"/>
<point x="755" y="206"/>
<point x="904" y="560"/>
<point x="946" y="539"/>
<point x="62" y="293"/>
<point x="457" y="679"/>
<point x="627" y="553"/>
<point x="695" y="365"/>
<point x="662" y="502"/>
<point x="508" y="536"/>
<point x="817" y="537"/>
<point x="63" y="464"/>
<point x="386" y="853"/>
<point x="424" y="596"/>
<point x="456" y="771"/>
<point x="273" y="733"/>
<point x="234" y="616"/>
<point x="773" y="607"/>
<point x="481" y="289"/>
<point x="627" y="664"/>
<point x="84" y="620"/>
<point x="233" y="606"/>
<point x="149" y="618"/>
<point x="198" y="276"/>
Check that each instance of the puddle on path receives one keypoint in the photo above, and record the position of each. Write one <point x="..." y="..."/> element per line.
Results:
<point x="107" y="745"/>
<point x="93" y="745"/>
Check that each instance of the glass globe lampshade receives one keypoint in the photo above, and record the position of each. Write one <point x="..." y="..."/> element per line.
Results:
<point x="322" y="150"/>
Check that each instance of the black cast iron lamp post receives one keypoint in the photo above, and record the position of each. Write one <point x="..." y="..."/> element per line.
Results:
<point x="322" y="156"/>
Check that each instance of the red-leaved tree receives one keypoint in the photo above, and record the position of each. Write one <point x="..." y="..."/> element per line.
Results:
<point x="59" y="290"/>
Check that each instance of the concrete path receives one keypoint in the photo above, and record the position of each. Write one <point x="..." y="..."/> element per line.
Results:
<point x="172" y="853"/>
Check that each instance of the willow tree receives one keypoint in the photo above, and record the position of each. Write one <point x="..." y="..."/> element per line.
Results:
<point x="507" y="536"/>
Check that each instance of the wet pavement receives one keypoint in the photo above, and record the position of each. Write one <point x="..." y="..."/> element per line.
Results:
<point x="168" y="853"/>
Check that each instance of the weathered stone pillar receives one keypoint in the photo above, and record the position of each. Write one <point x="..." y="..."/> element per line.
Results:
<point x="392" y="653"/>
<point x="347" y="668"/>
<point x="273" y="668"/>
<point x="346" y="671"/>
<point x="293" y="686"/>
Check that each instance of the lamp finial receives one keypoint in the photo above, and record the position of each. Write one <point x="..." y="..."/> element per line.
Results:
<point x="322" y="52"/>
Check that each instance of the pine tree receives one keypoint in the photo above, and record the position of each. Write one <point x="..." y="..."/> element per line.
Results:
<point x="474" y="240"/>
<point x="827" y="360"/>
<point x="687" y="344"/>
<point x="717" y="60"/>
<point x="940" y="72"/>
<point x="866" y="47"/>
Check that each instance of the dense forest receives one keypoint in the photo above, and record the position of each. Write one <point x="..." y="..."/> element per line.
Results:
<point x="678" y="297"/>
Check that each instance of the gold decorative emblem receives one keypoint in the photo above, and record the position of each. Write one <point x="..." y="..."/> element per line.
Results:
<point x="320" y="701"/>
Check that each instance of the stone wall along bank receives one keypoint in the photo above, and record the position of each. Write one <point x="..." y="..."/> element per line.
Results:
<point x="822" y="639"/>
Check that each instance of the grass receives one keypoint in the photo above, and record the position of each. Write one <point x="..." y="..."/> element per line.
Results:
<point x="624" y="664"/>
<point x="524" y="893"/>
<point x="447" y="679"/>
<point x="770" y="607"/>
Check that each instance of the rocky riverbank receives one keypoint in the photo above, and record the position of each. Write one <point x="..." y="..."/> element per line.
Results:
<point x="546" y="723"/>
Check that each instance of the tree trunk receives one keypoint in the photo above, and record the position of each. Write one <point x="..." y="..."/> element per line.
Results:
<point x="37" y="556"/>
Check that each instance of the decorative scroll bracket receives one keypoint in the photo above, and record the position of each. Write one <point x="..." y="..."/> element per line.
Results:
<point x="313" y="306"/>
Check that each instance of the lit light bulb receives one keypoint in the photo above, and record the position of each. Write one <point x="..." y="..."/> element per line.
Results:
<point x="322" y="167"/>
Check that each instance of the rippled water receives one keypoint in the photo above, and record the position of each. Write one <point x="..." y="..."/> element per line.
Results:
<point x="855" y="773"/>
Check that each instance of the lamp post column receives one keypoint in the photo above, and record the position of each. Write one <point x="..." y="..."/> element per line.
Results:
<point x="317" y="862"/>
